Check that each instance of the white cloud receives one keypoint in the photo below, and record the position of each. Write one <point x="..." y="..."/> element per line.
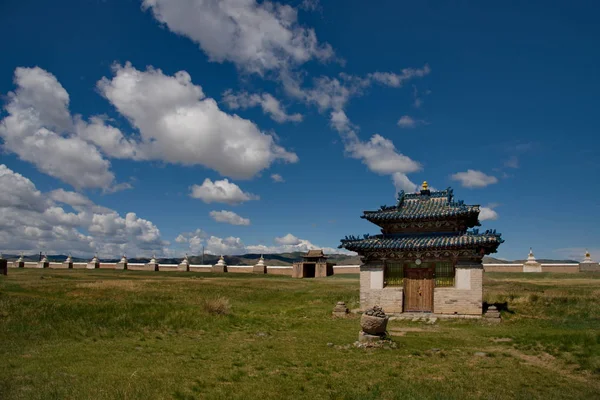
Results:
<point x="178" y="124"/>
<point x="39" y="129"/>
<point x="288" y="239"/>
<point x="402" y="182"/>
<point x="256" y="37"/>
<point x="277" y="178"/>
<point x="229" y="217"/>
<point x="512" y="162"/>
<point x="310" y="5"/>
<point x="234" y="245"/>
<point x="487" y="213"/>
<point x="397" y="80"/>
<point x="406" y="121"/>
<point x="221" y="191"/>
<point x="269" y="104"/>
<point x="474" y="179"/>
<point x="33" y="221"/>
<point x="380" y="156"/>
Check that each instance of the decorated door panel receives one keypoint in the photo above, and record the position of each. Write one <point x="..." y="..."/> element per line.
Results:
<point x="418" y="290"/>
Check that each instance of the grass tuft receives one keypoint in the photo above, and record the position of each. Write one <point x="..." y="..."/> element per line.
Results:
<point x="217" y="306"/>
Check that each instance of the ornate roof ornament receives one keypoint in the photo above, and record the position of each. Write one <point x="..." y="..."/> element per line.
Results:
<point x="123" y="260"/>
<point x="588" y="257"/>
<point x="20" y="258"/>
<point x="69" y="259"/>
<point x="95" y="259"/>
<point x="261" y="261"/>
<point x="153" y="259"/>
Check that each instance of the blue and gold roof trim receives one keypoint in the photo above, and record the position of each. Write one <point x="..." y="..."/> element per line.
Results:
<point x="425" y="205"/>
<point x="488" y="240"/>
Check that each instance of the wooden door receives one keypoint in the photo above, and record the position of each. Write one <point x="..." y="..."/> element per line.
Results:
<point x="418" y="290"/>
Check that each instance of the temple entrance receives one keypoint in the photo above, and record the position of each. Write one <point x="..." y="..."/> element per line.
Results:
<point x="418" y="289"/>
<point x="309" y="270"/>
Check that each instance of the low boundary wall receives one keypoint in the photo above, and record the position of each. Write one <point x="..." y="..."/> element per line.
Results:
<point x="287" y="270"/>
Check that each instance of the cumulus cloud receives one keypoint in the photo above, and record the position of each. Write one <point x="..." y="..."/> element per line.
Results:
<point x="229" y="217"/>
<point x="269" y="104"/>
<point x="179" y="124"/>
<point x="234" y="245"/>
<point x="277" y="178"/>
<point x="221" y="191"/>
<point x="406" y="121"/>
<point x="397" y="80"/>
<point x="474" y="179"/>
<point x="256" y="37"/>
<point x="39" y="129"/>
<point x="380" y="156"/>
<point x="33" y="221"/>
<point x="487" y="213"/>
<point x="288" y="239"/>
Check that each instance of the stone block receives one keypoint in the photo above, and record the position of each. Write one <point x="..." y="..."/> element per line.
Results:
<point x="365" y="337"/>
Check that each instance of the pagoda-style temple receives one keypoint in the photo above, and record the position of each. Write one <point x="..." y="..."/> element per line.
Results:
<point x="425" y="259"/>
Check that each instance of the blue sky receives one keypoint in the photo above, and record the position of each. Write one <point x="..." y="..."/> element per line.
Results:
<point x="164" y="126"/>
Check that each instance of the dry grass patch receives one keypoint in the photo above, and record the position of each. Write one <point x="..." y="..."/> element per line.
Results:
<point x="217" y="306"/>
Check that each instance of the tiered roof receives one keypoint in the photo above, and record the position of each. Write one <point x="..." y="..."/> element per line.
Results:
<point x="489" y="240"/>
<point x="427" y="220"/>
<point x="426" y="205"/>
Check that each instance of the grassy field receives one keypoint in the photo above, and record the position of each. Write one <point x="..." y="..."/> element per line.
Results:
<point x="106" y="334"/>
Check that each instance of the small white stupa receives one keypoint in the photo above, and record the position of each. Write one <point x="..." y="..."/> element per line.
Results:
<point x="531" y="265"/>
<point x="153" y="263"/>
<point x="94" y="262"/>
<point x="20" y="262"/>
<point x="588" y="257"/>
<point x="220" y="266"/>
<point x="260" y="267"/>
<point x="122" y="264"/>
<point x="184" y="265"/>
<point x="68" y="263"/>
<point x="43" y="263"/>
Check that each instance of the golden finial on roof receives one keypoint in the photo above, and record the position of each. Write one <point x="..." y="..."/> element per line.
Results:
<point x="424" y="186"/>
<point x="587" y="253"/>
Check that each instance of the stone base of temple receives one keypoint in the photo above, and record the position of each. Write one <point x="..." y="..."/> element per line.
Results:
<point x="68" y="265"/>
<point x="152" y="267"/>
<point x="43" y="265"/>
<point x="122" y="266"/>
<point x="93" y="265"/>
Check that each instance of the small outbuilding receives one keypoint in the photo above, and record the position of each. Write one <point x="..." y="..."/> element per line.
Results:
<point x="425" y="259"/>
<point x="313" y="265"/>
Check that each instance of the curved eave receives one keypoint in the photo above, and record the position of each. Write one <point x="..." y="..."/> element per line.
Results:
<point x="393" y="217"/>
<point x="489" y="244"/>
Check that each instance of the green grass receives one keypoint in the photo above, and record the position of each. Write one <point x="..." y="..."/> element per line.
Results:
<point x="106" y="334"/>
